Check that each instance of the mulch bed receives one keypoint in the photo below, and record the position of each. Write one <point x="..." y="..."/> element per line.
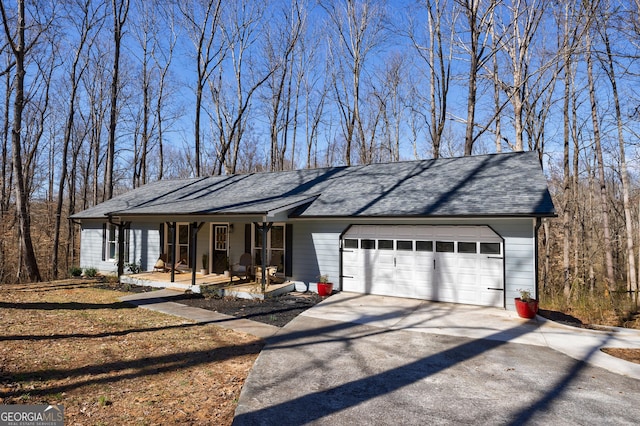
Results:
<point x="276" y="311"/>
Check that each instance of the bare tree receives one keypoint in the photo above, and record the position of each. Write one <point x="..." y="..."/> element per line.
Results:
<point x="232" y="102"/>
<point x="95" y="85"/>
<point x="479" y="20"/>
<point x="202" y="20"/>
<point x="120" y="9"/>
<point x="609" y="67"/>
<point x="592" y="6"/>
<point x="15" y="36"/>
<point x="526" y="16"/>
<point x="163" y="58"/>
<point x="570" y="41"/>
<point x="436" y="53"/>
<point x="358" y="28"/>
<point x="83" y="16"/>
<point x="282" y="44"/>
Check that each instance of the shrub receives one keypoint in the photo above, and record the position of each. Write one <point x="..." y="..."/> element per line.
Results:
<point x="75" y="271"/>
<point x="91" y="272"/>
<point x="134" y="268"/>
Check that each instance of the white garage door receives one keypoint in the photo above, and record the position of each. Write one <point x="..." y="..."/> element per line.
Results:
<point x="460" y="264"/>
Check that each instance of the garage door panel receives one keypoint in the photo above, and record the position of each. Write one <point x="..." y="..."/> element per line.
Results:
<point x="461" y="264"/>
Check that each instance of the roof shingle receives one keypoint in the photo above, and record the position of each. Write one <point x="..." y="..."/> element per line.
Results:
<point x="509" y="184"/>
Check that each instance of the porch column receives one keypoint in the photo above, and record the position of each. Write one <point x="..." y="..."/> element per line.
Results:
<point x="121" y="227"/>
<point x="264" y="228"/>
<point x="193" y="249"/>
<point x="172" y="227"/>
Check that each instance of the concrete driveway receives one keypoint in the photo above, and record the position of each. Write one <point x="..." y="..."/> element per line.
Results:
<point x="356" y="359"/>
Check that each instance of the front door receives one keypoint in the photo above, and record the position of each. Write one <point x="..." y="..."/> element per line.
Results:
<point x="220" y="246"/>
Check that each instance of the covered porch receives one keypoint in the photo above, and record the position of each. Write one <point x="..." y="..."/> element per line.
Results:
<point x="211" y="283"/>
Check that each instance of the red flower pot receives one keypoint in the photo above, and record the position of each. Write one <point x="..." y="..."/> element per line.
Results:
<point x="526" y="309"/>
<point x="325" y="289"/>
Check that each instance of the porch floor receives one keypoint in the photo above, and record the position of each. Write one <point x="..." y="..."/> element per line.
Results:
<point x="218" y="283"/>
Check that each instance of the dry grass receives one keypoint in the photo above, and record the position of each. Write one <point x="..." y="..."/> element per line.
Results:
<point x="597" y="309"/>
<point x="73" y="344"/>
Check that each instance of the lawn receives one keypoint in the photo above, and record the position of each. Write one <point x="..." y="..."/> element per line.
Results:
<point x="72" y="343"/>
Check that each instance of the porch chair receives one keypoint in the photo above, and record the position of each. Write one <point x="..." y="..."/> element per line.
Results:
<point x="161" y="264"/>
<point x="243" y="267"/>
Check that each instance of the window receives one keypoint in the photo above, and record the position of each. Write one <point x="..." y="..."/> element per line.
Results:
<point x="275" y="246"/>
<point x="182" y="243"/>
<point x="385" y="244"/>
<point x="368" y="244"/>
<point x="111" y="248"/>
<point x="402" y="245"/>
<point x="424" y="245"/>
<point x="110" y="240"/>
<point x="444" y="246"/>
<point x="350" y="243"/>
<point x="221" y="238"/>
<point x="467" y="247"/>
<point x="490" y="248"/>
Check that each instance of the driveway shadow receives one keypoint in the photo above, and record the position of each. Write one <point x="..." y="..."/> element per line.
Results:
<point x="331" y="372"/>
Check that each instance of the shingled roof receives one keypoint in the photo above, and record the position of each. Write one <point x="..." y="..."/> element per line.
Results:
<point x="505" y="185"/>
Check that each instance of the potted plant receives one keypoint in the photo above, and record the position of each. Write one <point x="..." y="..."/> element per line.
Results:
<point x="526" y="306"/>
<point x="205" y="264"/>
<point x="325" y="288"/>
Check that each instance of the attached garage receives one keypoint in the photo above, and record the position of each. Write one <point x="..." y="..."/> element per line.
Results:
<point x="459" y="264"/>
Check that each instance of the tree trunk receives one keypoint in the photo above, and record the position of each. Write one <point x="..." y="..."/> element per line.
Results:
<point x="18" y="47"/>
<point x="120" y="12"/>
<point x="633" y="284"/>
<point x="610" y="277"/>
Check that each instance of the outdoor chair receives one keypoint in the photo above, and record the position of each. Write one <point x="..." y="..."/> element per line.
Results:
<point x="161" y="264"/>
<point x="243" y="267"/>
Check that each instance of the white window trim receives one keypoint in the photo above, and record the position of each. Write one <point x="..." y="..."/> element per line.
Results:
<point x="268" y="247"/>
<point x="114" y="242"/>
<point x="168" y="241"/>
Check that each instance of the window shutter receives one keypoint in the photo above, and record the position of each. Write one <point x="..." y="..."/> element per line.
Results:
<point x="247" y="238"/>
<point x="288" y="250"/>
<point x="104" y="242"/>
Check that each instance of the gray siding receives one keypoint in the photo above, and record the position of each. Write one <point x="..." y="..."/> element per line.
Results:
<point x="316" y="251"/>
<point x="91" y="248"/>
<point x="144" y="246"/>
<point x="519" y="248"/>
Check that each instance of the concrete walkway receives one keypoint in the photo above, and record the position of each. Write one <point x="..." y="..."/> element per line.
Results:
<point x="160" y="301"/>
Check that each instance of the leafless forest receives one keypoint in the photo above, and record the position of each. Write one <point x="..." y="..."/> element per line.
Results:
<point x="101" y="96"/>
